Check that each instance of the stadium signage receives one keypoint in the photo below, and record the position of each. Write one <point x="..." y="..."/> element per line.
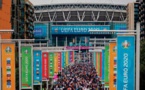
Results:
<point x="76" y="29"/>
<point x="126" y="63"/>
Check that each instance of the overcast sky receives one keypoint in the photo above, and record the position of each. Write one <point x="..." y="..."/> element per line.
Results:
<point x="41" y="2"/>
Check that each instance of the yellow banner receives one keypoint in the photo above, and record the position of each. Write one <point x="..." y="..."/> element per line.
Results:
<point x="8" y="66"/>
<point x="66" y="58"/>
<point x="56" y="62"/>
<point x="112" y="51"/>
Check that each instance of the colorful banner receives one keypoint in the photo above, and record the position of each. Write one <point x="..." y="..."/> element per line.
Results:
<point x="45" y="67"/>
<point x="59" y="61"/>
<point x="126" y="63"/>
<point x="66" y="59"/>
<point x="71" y="56"/>
<point x="37" y="69"/>
<point x="94" y="59"/>
<point x="51" y="64"/>
<point x="106" y="67"/>
<point x="55" y="62"/>
<point x="98" y="63"/>
<point x="8" y="66"/>
<point x="112" y="53"/>
<point x="103" y="64"/>
<point x="26" y="67"/>
<point x="62" y="59"/>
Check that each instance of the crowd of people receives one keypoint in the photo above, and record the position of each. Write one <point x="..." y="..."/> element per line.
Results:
<point x="80" y="76"/>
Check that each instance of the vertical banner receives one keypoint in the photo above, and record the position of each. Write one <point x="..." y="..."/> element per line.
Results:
<point x="45" y="67"/>
<point x="26" y="67"/>
<point x="37" y="67"/>
<point x="55" y="62"/>
<point x="106" y="67"/>
<point x="94" y="59"/>
<point x="112" y="53"/>
<point x="66" y="59"/>
<point x="126" y="63"/>
<point x="51" y="64"/>
<point x="71" y="56"/>
<point x="59" y="61"/>
<point x="98" y="63"/>
<point x="103" y="64"/>
<point x="8" y="66"/>
<point x="62" y="60"/>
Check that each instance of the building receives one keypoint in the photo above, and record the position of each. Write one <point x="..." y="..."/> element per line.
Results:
<point x="22" y="19"/>
<point x="142" y="19"/>
<point x="132" y="15"/>
<point x="5" y="18"/>
<point x="68" y="24"/>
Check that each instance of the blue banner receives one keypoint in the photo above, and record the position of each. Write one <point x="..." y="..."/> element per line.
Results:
<point x="63" y="59"/>
<point x="40" y="30"/>
<point x="125" y="63"/>
<point x="77" y="29"/>
<point x="94" y="55"/>
<point x="37" y="71"/>
<point x="103" y="63"/>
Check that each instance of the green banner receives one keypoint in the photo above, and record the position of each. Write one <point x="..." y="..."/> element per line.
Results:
<point x="51" y="64"/>
<point x="26" y="67"/>
<point x="106" y="65"/>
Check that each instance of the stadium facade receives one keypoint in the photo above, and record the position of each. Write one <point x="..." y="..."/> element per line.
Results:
<point x="68" y="24"/>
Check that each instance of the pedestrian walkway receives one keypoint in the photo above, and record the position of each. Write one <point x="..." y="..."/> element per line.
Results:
<point x="80" y="76"/>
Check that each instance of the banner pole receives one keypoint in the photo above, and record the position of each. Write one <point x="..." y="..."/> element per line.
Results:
<point x="47" y="85"/>
<point x="138" y="56"/>
<point x="19" y="65"/>
<point x="41" y="87"/>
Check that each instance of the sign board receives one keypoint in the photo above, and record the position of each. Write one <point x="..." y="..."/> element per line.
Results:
<point x="126" y="63"/>
<point x="40" y="30"/>
<point x="8" y="67"/>
<point x="77" y="29"/>
<point x="26" y="67"/>
<point x="37" y="70"/>
<point x="45" y="67"/>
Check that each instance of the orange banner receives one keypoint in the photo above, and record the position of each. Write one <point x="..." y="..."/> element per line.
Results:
<point x="8" y="66"/>
<point x="112" y="52"/>
<point x="56" y="62"/>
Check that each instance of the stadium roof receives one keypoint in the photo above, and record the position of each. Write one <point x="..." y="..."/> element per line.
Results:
<point x="116" y="2"/>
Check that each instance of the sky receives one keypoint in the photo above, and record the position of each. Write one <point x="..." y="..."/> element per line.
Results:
<point x="44" y="2"/>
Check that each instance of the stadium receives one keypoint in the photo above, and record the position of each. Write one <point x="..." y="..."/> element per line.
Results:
<point x="67" y="23"/>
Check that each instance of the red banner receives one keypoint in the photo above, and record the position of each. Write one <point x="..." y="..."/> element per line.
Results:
<point x="45" y="68"/>
<point x="59" y="61"/>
